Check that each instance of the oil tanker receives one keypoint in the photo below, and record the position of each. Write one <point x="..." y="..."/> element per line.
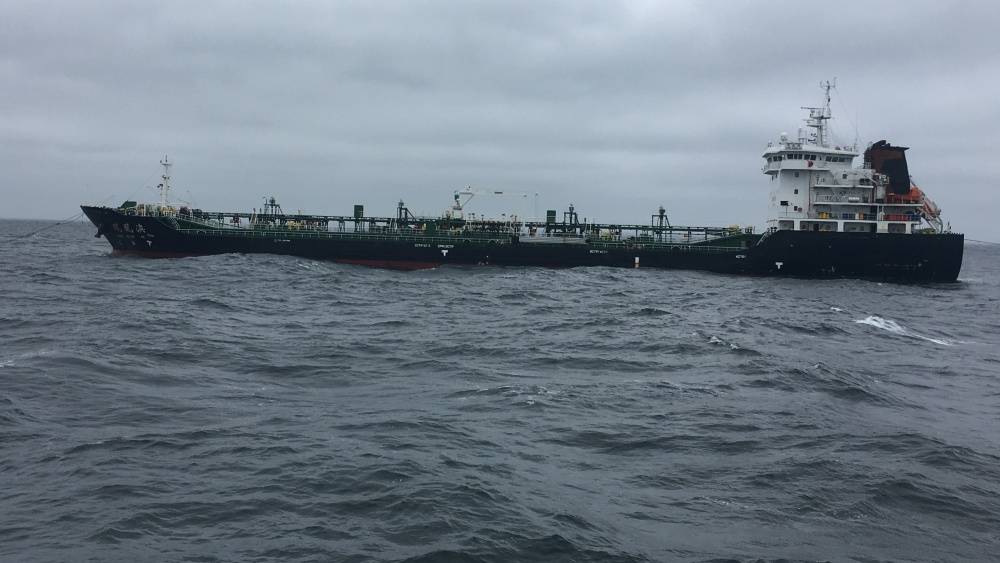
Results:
<point x="827" y="218"/>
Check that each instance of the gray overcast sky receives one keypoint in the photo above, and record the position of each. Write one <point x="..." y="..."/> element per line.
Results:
<point x="616" y="107"/>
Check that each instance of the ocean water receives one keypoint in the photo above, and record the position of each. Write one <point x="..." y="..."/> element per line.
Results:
<point x="267" y="408"/>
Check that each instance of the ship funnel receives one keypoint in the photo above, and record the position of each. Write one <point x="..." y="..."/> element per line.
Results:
<point x="891" y="161"/>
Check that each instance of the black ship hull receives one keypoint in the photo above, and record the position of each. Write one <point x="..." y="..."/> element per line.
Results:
<point x="882" y="256"/>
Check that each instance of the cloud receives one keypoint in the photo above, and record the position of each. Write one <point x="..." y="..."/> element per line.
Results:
<point x="615" y="107"/>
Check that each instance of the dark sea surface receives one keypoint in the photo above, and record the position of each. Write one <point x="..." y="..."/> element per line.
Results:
<point x="268" y="408"/>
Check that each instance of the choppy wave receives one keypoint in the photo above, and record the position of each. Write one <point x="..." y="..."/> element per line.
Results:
<point x="267" y="408"/>
<point x="896" y="328"/>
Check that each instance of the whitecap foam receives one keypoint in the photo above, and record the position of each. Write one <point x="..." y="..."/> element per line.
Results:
<point x="13" y="360"/>
<point x="896" y="328"/>
<point x="716" y="340"/>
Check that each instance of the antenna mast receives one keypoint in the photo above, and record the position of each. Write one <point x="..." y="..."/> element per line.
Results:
<point x="165" y="186"/>
<point x="819" y="116"/>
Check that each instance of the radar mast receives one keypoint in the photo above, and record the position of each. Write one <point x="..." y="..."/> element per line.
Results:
<point x="819" y="116"/>
<point x="165" y="185"/>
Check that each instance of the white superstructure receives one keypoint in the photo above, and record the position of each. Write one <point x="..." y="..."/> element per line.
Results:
<point x="815" y="186"/>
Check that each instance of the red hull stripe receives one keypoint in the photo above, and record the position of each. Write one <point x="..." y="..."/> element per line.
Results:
<point x="390" y="264"/>
<point x="153" y="254"/>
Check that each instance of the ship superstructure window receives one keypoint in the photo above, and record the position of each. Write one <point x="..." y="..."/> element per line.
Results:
<point x="807" y="156"/>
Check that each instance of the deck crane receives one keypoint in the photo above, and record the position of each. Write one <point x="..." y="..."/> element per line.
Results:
<point x="465" y="195"/>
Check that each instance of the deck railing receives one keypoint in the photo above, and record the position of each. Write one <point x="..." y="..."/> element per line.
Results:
<point x="843" y="199"/>
<point x="281" y="234"/>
